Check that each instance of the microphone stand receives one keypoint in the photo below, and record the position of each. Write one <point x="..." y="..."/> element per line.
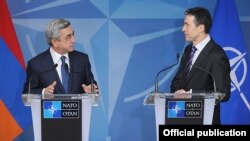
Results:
<point x="215" y="89"/>
<point x="157" y="76"/>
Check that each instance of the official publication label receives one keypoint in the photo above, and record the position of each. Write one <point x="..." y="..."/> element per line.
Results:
<point x="200" y="131"/>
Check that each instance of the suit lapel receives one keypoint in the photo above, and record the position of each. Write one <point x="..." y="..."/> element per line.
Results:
<point x="201" y="58"/>
<point x="72" y="67"/>
<point x="50" y="64"/>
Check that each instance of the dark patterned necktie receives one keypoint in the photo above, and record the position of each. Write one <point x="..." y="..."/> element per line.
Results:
<point x="65" y="74"/>
<point x="190" y="59"/>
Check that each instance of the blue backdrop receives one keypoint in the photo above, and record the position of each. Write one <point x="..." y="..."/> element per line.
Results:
<point x="128" y="42"/>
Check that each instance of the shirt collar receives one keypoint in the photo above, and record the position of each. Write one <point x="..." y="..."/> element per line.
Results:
<point x="203" y="43"/>
<point x="56" y="56"/>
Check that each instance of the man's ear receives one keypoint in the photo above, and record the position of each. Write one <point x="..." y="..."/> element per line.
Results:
<point x="54" y="42"/>
<point x="201" y="28"/>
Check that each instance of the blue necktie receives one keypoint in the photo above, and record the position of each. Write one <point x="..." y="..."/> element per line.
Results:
<point x="65" y="74"/>
<point x="190" y="59"/>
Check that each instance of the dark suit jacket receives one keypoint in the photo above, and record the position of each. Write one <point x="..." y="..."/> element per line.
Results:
<point x="213" y="59"/>
<point x="41" y="72"/>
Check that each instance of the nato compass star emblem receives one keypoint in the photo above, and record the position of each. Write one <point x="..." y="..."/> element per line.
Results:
<point x="236" y="63"/>
<point x="176" y="109"/>
<point x="52" y="109"/>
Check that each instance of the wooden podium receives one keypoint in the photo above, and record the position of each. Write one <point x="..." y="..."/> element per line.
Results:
<point x="62" y="117"/>
<point x="195" y="108"/>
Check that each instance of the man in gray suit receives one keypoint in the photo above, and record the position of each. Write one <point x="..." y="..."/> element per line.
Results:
<point x="202" y="57"/>
<point x="60" y="69"/>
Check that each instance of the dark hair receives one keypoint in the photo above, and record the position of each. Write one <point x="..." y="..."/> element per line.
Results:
<point x="202" y="16"/>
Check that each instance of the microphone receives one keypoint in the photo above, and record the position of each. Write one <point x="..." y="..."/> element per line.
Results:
<point x="71" y="71"/>
<point x="92" y="89"/>
<point x="156" y="78"/>
<point x="91" y="84"/>
<point x="215" y="90"/>
<point x="30" y="80"/>
<point x="90" y="76"/>
<point x="55" y="66"/>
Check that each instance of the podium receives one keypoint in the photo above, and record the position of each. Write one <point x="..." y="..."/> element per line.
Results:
<point x="172" y="110"/>
<point x="61" y="117"/>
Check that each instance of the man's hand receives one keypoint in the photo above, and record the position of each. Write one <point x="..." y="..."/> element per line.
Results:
<point x="87" y="88"/>
<point x="182" y="94"/>
<point x="50" y="89"/>
<point x="181" y="91"/>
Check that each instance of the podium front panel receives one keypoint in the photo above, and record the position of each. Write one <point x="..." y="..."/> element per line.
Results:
<point x="61" y="120"/>
<point x="87" y="101"/>
<point x="159" y="103"/>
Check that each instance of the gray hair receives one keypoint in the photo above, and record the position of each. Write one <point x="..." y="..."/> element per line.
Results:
<point x="53" y="28"/>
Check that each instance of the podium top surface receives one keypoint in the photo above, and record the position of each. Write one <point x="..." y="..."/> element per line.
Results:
<point x="27" y="98"/>
<point x="150" y="98"/>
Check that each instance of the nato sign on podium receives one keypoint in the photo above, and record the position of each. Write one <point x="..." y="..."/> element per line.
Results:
<point x="61" y="117"/>
<point x="194" y="108"/>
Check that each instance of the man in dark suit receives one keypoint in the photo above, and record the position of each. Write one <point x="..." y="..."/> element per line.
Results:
<point x="60" y="69"/>
<point x="201" y="57"/>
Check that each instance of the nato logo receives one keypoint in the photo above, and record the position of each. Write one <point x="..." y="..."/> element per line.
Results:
<point x="60" y="109"/>
<point x="184" y="109"/>
<point x="176" y="109"/>
<point x="52" y="109"/>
